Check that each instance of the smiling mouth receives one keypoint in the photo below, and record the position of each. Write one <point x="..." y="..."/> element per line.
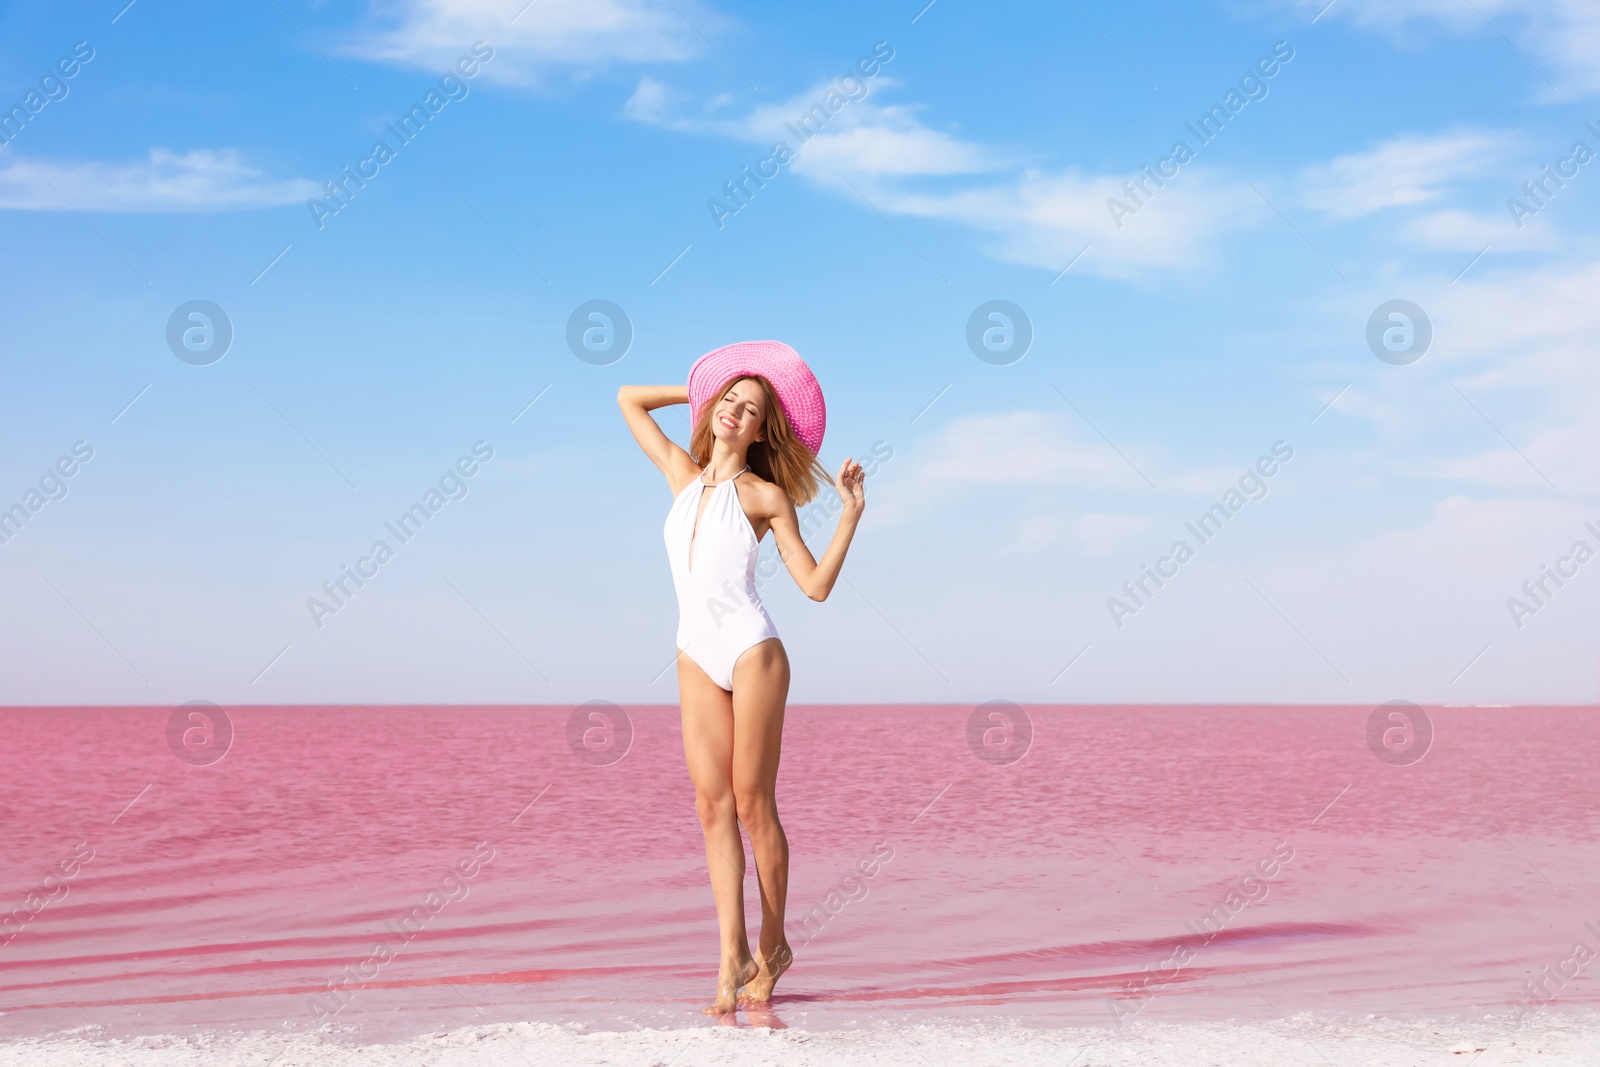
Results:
<point x="729" y="423"/>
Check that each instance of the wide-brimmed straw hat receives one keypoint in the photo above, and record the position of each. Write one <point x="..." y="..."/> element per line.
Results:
<point x="797" y="388"/>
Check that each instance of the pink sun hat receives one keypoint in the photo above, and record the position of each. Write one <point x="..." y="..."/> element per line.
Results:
<point x="798" y="392"/>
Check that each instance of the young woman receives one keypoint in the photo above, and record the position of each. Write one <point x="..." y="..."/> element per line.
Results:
<point x="758" y="420"/>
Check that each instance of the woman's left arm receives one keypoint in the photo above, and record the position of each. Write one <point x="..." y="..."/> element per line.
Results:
<point x="815" y="578"/>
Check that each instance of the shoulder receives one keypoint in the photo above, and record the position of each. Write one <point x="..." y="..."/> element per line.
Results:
<point x="769" y="500"/>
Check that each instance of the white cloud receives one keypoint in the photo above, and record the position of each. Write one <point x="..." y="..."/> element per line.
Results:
<point x="1099" y="533"/>
<point x="1022" y="446"/>
<point x="198" y="180"/>
<point x="655" y="102"/>
<point x="1551" y="310"/>
<point x="1464" y="231"/>
<point x="1421" y="173"/>
<point x="894" y="143"/>
<point x="531" y="39"/>
<point x="1036" y="532"/>
<point x="1039" y="217"/>
<point x="1103" y="533"/>
<point x="1408" y="609"/>
<point x="1560" y="38"/>
<point x="1045" y="219"/>
<point x="1530" y="340"/>
<point x="1520" y="347"/>
<point x="1401" y="172"/>
<point x="1027" y="450"/>
<point x="1044" y="453"/>
<point x="858" y="137"/>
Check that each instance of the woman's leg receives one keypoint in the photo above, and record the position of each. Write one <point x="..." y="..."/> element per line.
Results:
<point x="708" y="733"/>
<point x="760" y="692"/>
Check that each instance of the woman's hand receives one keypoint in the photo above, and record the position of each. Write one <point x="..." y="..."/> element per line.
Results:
<point x="816" y="577"/>
<point x="850" y="483"/>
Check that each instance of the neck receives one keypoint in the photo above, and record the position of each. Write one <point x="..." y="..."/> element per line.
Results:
<point x="725" y="461"/>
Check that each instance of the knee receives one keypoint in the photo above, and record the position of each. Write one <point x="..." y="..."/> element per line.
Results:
<point x="756" y="809"/>
<point x="714" y="808"/>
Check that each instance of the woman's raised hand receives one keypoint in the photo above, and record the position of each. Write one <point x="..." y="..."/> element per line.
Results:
<point x="851" y="485"/>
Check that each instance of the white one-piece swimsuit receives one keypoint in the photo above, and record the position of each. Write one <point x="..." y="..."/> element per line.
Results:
<point x="719" y="612"/>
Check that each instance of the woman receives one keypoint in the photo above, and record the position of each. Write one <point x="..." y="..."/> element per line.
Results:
<point x="758" y="420"/>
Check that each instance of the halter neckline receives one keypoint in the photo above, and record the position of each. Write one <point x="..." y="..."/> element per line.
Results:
<point x="725" y="481"/>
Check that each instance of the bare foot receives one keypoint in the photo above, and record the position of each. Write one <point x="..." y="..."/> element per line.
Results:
<point x="773" y="964"/>
<point x="732" y="976"/>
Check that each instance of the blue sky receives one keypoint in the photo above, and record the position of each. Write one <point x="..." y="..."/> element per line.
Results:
<point x="1014" y="497"/>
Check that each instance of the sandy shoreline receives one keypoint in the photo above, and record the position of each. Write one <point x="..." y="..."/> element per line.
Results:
<point x="1305" y="1039"/>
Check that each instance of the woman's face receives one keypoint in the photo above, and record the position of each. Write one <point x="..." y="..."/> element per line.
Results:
<point x="739" y="417"/>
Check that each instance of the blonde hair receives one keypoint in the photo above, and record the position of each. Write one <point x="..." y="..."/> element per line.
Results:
<point x="780" y="458"/>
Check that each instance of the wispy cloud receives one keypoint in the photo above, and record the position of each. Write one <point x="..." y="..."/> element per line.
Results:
<point x="1103" y="533"/>
<point x="1038" y="216"/>
<point x="1029" y="447"/>
<point x="1045" y="218"/>
<point x="1467" y="231"/>
<point x="862" y="138"/>
<point x="533" y="39"/>
<point x="1559" y="40"/>
<point x="198" y="180"/>
<point x="1401" y="172"/>
<point x="1045" y="453"/>
<point x="1520" y="349"/>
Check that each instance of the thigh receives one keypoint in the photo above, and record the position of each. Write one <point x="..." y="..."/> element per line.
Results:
<point x="707" y="729"/>
<point x="760" y="694"/>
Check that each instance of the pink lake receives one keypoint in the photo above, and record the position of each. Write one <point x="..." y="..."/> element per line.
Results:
<point x="1069" y="888"/>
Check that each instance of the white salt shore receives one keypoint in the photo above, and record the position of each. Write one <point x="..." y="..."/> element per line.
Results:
<point x="1312" y="1041"/>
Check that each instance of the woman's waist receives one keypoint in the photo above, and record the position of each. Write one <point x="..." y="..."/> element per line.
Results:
<point x="724" y="595"/>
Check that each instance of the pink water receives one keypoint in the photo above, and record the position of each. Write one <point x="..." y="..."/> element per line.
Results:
<point x="1045" y="891"/>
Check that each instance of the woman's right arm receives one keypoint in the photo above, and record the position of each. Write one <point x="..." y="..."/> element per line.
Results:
<point x="636" y="402"/>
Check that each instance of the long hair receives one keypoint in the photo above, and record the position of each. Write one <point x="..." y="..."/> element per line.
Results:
<point x="780" y="458"/>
